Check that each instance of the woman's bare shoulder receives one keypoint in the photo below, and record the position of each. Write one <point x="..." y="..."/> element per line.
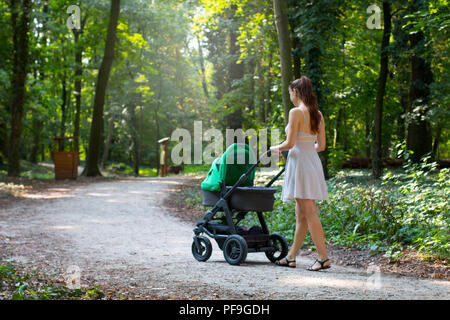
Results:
<point x="295" y="113"/>
<point x="295" y="110"/>
<point x="322" y="119"/>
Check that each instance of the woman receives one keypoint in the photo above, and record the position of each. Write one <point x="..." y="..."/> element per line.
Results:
<point x="304" y="180"/>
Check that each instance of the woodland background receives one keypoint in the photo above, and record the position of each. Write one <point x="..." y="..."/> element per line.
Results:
<point x="179" y="61"/>
<point x="137" y="70"/>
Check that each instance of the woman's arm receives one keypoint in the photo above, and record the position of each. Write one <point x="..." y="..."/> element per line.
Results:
<point x="321" y="142"/>
<point x="294" y="116"/>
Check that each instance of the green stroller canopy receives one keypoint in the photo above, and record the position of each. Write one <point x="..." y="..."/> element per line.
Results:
<point x="237" y="160"/>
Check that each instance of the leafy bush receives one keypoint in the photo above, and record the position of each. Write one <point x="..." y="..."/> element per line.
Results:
<point x="336" y="158"/>
<point x="127" y="169"/>
<point x="406" y="209"/>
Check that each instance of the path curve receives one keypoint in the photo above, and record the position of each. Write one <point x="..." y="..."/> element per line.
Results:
<point x="118" y="232"/>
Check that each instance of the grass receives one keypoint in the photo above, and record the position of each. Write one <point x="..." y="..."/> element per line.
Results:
<point x="128" y="169"/>
<point x="196" y="169"/>
<point x="146" y="171"/>
<point x="31" y="171"/>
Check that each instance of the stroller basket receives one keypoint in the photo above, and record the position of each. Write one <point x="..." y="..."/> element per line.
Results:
<point x="258" y="199"/>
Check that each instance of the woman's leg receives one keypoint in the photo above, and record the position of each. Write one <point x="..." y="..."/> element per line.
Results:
<point x="311" y="213"/>
<point x="301" y="228"/>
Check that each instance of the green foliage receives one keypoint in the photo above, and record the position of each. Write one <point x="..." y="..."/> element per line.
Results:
<point x="156" y="83"/>
<point x="31" y="170"/>
<point x="196" y="169"/>
<point x="336" y="158"/>
<point x="22" y="286"/>
<point x="127" y="169"/>
<point x="408" y="209"/>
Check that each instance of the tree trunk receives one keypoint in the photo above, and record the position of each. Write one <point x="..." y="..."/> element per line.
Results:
<point x="202" y="68"/>
<point x="378" y="114"/>
<point x="252" y="94"/>
<point x="134" y="138"/>
<point x="158" y="133"/>
<point x="401" y="127"/>
<point x="36" y="130"/>
<point x="236" y="71"/>
<point x="368" y="128"/>
<point x="108" y="141"/>
<point x="419" y="138"/>
<point x="296" y="49"/>
<point x="78" y="83"/>
<point x="37" y="122"/>
<point x="91" y="169"/>
<point x="268" y="89"/>
<point x="62" y="127"/>
<point x="436" y="143"/>
<point x="314" y="72"/>
<point x="260" y="92"/>
<point x="19" y="75"/>
<point x="337" y="128"/>
<point x="284" y="41"/>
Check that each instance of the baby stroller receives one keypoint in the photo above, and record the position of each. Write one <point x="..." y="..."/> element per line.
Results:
<point x="229" y="188"/>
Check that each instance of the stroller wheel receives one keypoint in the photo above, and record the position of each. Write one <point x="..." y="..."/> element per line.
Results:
<point x="280" y="246"/>
<point x="235" y="249"/>
<point x="203" y="253"/>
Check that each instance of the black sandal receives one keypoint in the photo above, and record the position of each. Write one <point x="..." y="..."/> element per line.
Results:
<point x="287" y="263"/>
<point x="321" y="265"/>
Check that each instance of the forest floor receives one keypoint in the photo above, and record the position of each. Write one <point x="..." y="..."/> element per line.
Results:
<point x="132" y="238"/>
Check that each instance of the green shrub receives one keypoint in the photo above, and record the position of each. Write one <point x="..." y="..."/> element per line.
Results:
<point x="407" y="208"/>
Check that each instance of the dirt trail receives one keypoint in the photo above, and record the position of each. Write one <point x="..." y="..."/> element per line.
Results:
<point x="118" y="233"/>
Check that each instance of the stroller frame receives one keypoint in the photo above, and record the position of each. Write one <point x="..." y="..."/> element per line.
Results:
<point x="235" y="246"/>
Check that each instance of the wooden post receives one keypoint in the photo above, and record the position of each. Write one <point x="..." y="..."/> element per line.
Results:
<point x="164" y="142"/>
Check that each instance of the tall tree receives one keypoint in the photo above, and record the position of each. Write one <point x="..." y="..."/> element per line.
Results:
<point x="419" y="132"/>
<point x="235" y="70"/>
<point x="384" y="70"/>
<point x="284" y="41"/>
<point x="37" y="121"/>
<point x="20" y="68"/>
<point x="78" y="81"/>
<point x="202" y="67"/>
<point x="91" y="168"/>
<point x="319" y="20"/>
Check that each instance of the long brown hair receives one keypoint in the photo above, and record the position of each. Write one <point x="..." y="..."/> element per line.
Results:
<point x="306" y="94"/>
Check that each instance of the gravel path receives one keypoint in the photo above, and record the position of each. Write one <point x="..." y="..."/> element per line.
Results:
<point x="118" y="233"/>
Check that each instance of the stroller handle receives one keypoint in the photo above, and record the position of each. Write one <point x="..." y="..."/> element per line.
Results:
<point x="269" y="153"/>
<point x="244" y="176"/>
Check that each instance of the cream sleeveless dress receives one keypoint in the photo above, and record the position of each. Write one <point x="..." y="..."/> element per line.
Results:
<point x="304" y="177"/>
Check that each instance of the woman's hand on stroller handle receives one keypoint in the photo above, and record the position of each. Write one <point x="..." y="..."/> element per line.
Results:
<point x="268" y="153"/>
<point x="274" y="149"/>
